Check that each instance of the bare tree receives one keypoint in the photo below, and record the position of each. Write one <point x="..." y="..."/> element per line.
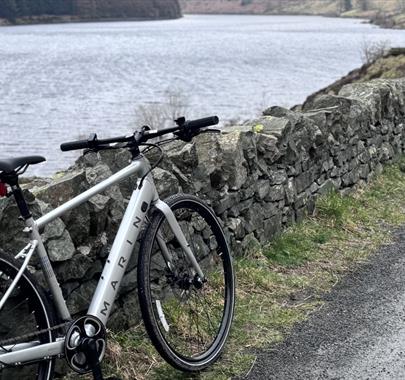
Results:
<point x="371" y="51"/>
<point x="158" y="114"/>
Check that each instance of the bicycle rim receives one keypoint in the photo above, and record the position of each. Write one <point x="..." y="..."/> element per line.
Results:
<point x="188" y="321"/>
<point x="25" y="312"/>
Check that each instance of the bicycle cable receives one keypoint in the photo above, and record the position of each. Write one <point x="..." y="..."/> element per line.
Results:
<point x="150" y="146"/>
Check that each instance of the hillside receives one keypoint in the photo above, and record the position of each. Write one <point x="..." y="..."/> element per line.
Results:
<point x="260" y="6"/>
<point x="22" y="11"/>
<point x="388" y="13"/>
<point x="128" y="8"/>
<point x="389" y="66"/>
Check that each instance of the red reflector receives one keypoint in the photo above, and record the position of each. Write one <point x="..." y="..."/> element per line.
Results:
<point x="3" y="189"/>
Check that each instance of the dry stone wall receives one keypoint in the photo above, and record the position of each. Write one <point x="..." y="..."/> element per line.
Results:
<point x="259" y="178"/>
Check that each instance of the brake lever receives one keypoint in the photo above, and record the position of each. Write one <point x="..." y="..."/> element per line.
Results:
<point x="189" y="136"/>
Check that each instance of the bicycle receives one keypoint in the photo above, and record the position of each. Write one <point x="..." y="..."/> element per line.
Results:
<point x="186" y="284"/>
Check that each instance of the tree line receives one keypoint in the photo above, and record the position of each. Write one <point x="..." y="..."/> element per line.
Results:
<point x="12" y="9"/>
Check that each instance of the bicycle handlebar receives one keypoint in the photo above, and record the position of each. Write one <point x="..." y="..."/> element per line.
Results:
<point x="202" y="123"/>
<point x="92" y="142"/>
<point x="74" y="145"/>
<point x="185" y="130"/>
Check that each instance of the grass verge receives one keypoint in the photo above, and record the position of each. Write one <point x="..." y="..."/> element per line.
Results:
<point x="281" y="283"/>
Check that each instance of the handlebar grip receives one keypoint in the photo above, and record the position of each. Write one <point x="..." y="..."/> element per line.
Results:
<point x="202" y="123"/>
<point x="74" y="145"/>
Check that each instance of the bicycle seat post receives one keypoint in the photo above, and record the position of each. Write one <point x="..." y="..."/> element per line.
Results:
<point x="11" y="179"/>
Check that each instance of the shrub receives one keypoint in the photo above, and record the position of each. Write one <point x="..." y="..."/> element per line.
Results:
<point x="371" y="51"/>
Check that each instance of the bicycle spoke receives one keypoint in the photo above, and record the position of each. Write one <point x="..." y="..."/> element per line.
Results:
<point x="206" y="312"/>
<point x="17" y="306"/>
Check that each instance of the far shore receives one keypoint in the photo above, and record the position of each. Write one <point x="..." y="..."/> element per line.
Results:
<point x="46" y="20"/>
<point x="50" y="19"/>
<point x="370" y="17"/>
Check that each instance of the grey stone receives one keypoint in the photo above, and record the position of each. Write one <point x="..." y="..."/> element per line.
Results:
<point x="267" y="148"/>
<point x="276" y="193"/>
<point x="313" y="188"/>
<point x="250" y="245"/>
<point x="270" y="209"/>
<point x="301" y="200"/>
<point x="247" y="192"/>
<point x="79" y="299"/>
<point x="262" y="188"/>
<point x="61" y="249"/>
<point x="386" y="152"/>
<point x="73" y="269"/>
<point x="233" y="171"/>
<point x="236" y="226"/>
<point x="129" y="282"/>
<point x="364" y="171"/>
<point x="303" y="181"/>
<point x="254" y="218"/>
<point x="125" y="314"/>
<point x="66" y="185"/>
<point x="290" y="191"/>
<point x="226" y="201"/>
<point x="166" y="183"/>
<point x="278" y="177"/>
<point x="272" y="227"/>
<point x="53" y="230"/>
<point x="350" y="178"/>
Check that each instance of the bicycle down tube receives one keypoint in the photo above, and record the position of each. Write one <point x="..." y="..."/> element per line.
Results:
<point x="103" y="299"/>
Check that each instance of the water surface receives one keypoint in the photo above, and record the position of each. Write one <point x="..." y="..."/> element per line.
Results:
<point x="62" y="81"/>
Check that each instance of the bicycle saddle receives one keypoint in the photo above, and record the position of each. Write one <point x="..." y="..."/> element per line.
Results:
<point x="10" y="164"/>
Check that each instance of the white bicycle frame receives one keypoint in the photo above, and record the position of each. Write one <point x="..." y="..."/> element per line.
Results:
<point x="143" y="197"/>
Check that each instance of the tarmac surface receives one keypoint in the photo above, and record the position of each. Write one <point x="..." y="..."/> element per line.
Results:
<point x="359" y="333"/>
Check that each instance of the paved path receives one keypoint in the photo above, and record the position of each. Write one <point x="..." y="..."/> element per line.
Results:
<point x="358" y="334"/>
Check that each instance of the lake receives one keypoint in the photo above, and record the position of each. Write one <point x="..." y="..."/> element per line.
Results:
<point x="63" y="81"/>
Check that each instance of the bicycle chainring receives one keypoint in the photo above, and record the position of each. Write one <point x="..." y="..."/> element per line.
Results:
<point x="84" y="327"/>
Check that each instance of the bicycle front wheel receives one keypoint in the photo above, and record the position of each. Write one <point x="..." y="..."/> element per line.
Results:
<point x="23" y="316"/>
<point x="187" y="320"/>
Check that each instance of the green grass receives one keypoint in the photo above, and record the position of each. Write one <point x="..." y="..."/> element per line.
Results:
<point x="282" y="282"/>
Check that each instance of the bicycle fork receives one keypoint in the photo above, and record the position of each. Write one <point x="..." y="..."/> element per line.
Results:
<point x="175" y="227"/>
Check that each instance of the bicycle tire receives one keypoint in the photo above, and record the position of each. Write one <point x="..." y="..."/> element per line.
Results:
<point x="29" y="302"/>
<point x="216" y="263"/>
